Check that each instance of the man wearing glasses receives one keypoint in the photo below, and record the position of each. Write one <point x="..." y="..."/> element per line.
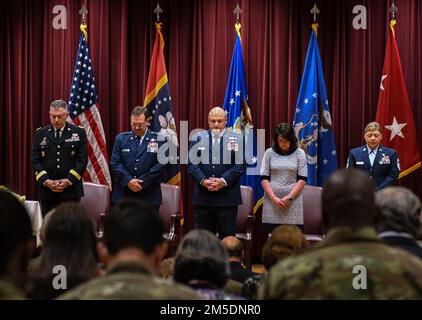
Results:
<point x="137" y="171"/>
<point x="59" y="158"/>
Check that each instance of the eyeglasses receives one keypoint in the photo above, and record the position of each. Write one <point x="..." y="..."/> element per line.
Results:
<point x="139" y="125"/>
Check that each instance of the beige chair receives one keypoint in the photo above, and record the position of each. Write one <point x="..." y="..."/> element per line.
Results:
<point x="170" y="213"/>
<point x="97" y="201"/>
<point x="312" y="213"/>
<point x="245" y="223"/>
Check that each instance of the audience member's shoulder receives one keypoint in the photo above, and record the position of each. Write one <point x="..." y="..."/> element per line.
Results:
<point x="128" y="286"/>
<point x="9" y="291"/>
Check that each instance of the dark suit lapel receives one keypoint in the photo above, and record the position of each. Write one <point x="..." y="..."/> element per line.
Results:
<point x="365" y="156"/>
<point x="210" y="144"/>
<point x="378" y="156"/>
<point x="50" y="135"/>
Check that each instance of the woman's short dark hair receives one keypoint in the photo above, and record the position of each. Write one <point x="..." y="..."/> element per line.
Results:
<point x="70" y="241"/>
<point x="202" y="257"/>
<point x="285" y="131"/>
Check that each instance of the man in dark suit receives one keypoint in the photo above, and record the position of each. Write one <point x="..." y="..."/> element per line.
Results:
<point x="216" y="163"/>
<point x="234" y="248"/>
<point x="381" y="163"/>
<point x="398" y="221"/>
<point x="59" y="158"/>
<point x="134" y="161"/>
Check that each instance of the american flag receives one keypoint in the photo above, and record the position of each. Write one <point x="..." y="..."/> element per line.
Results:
<point x="84" y="111"/>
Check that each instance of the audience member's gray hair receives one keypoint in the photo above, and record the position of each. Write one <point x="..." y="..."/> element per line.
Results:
<point x="57" y="104"/>
<point x="201" y="257"/>
<point x="399" y="210"/>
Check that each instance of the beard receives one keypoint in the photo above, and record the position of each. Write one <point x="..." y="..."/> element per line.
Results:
<point x="216" y="131"/>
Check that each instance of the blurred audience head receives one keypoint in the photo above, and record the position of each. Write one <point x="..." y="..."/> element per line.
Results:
<point x="137" y="226"/>
<point x="285" y="241"/>
<point x="15" y="239"/>
<point x="399" y="209"/>
<point x="348" y="200"/>
<point x="200" y="258"/>
<point x="45" y="221"/>
<point x="234" y="247"/>
<point x="69" y="241"/>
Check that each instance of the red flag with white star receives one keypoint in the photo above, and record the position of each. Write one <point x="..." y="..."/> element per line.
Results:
<point x="394" y="112"/>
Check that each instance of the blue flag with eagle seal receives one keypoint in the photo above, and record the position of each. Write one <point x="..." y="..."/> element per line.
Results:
<point x="239" y="115"/>
<point x="312" y="120"/>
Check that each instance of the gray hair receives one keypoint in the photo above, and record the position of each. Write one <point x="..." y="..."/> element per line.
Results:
<point x="57" y="104"/>
<point x="399" y="209"/>
<point x="201" y="256"/>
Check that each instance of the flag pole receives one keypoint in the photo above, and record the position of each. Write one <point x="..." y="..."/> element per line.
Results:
<point x="315" y="25"/>
<point x="84" y="12"/>
<point x="158" y="24"/>
<point x="393" y="10"/>
<point x="238" y="11"/>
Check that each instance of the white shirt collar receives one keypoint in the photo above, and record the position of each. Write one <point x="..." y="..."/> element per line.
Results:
<point x="395" y="234"/>
<point x="142" y="137"/>
<point x="369" y="149"/>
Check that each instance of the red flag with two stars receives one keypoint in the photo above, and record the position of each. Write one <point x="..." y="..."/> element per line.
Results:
<point x="394" y="112"/>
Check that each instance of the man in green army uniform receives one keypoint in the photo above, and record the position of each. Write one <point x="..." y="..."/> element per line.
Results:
<point x="15" y="247"/>
<point x="351" y="262"/>
<point x="133" y="236"/>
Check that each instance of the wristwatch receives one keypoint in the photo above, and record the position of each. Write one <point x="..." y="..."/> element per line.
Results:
<point x="290" y="198"/>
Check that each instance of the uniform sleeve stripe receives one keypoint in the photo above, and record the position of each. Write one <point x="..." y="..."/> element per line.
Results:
<point x="73" y="172"/>
<point x="39" y="175"/>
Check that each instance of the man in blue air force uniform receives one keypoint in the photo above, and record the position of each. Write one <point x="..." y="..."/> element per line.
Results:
<point x="381" y="163"/>
<point x="134" y="161"/>
<point x="216" y="163"/>
<point x="59" y="158"/>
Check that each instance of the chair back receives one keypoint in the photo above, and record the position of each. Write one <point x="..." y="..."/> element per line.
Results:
<point x="170" y="204"/>
<point x="170" y="214"/>
<point x="245" y="209"/>
<point x="96" y="200"/>
<point x="312" y="211"/>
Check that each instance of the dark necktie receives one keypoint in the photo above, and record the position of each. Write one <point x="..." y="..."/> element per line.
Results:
<point x="138" y="143"/>
<point x="57" y="135"/>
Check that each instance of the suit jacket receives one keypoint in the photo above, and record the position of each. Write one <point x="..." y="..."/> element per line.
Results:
<point x="223" y="160"/>
<point x="384" y="171"/>
<point x="131" y="161"/>
<point x="239" y="273"/>
<point x="65" y="158"/>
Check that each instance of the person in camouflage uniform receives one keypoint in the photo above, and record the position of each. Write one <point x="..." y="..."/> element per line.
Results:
<point x="15" y="247"/>
<point x="351" y="262"/>
<point x="133" y="236"/>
